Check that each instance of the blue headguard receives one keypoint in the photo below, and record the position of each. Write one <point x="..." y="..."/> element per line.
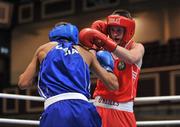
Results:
<point x="65" y="31"/>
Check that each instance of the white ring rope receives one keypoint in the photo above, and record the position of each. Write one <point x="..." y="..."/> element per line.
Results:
<point x="160" y="98"/>
<point x="139" y="123"/>
<point x="162" y="122"/>
<point x="21" y="97"/>
<point x="19" y="121"/>
<point x="138" y="99"/>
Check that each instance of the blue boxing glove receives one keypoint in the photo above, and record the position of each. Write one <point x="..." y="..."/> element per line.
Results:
<point x="106" y="60"/>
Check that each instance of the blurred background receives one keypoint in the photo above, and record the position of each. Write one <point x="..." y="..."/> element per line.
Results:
<point x="24" y="25"/>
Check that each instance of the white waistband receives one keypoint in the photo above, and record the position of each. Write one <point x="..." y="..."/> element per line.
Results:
<point x="101" y="102"/>
<point x="64" y="96"/>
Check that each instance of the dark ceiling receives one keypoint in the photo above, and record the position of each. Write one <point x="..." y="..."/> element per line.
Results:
<point x="131" y="5"/>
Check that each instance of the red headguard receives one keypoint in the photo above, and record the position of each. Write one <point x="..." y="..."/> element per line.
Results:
<point x="128" y="24"/>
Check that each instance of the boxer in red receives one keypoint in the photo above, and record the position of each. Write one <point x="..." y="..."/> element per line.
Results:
<point x="115" y="35"/>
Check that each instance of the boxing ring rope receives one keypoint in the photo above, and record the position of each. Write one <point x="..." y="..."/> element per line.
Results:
<point x="18" y="121"/>
<point x="21" y="97"/>
<point x="137" y="100"/>
<point x="139" y="123"/>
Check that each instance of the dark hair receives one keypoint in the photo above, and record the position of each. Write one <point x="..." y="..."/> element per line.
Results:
<point x="122" y="13"/>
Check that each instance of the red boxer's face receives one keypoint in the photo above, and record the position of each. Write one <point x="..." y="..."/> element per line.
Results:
<point x="116" y="33"/>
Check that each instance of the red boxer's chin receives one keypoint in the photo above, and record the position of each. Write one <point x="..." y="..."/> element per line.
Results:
<point x="117" y="40"/>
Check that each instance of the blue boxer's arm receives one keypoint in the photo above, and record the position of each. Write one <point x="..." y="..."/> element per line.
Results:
<point x="106" y="60"/>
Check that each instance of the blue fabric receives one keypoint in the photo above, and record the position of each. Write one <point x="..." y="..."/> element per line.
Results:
<point x="70" y="113"/>
<point x="63" y="70"/>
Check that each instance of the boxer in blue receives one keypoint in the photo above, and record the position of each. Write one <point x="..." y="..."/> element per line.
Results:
<point x="62" y="67"/>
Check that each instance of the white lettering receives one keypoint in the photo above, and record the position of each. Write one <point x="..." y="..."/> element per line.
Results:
<point x="66" y="50"/>
<point x="113" y="20"/>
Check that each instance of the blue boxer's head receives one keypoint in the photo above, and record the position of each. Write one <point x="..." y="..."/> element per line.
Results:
<point x="65" y="31"/>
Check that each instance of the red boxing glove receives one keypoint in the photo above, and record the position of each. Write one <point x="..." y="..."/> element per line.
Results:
<point x="100" y="26"/>
<point x="88" y="37"/>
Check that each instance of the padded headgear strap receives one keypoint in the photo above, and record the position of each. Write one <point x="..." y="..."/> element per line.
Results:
<point x="65" y="31"/>
<point x="128" y="24"/>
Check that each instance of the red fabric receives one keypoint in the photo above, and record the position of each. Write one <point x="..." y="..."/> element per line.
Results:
<point x="128" y="81"/>
<point x="116" y="118"/>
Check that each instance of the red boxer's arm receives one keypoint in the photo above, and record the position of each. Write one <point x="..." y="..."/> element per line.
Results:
<point x="89" y="36"/>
